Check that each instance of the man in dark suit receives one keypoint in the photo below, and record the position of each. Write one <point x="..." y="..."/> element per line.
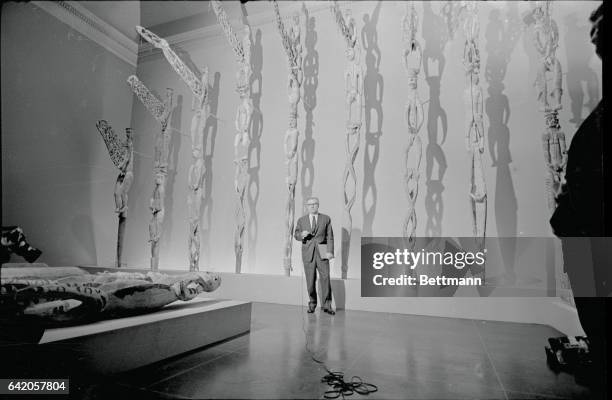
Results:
<point x="313" y="230"/>
<point x="580" y="221"/>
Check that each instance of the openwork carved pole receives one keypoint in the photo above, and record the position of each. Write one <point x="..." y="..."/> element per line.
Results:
<point x="291" y="39"/>
<point x="474" y="122"/>
<point x="195" y="178"/>
<point x="549" y="87"/>
<point x="122" y="155"/>
<point x="161" y="112"/>
<point x="411" y="57"/>
<point x="242" y="121"/>
<point x="353" y="85"/>
<point x="549" y="83"/>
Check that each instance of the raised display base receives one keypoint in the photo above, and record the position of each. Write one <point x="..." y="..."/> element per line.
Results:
<point x="117" y="345"/>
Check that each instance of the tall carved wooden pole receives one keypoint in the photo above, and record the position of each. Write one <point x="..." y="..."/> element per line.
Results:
<point x="161" y="112"/>
<point x="549" y="86"/>
<point x="122" y="155"/>
<point x="465" y="13"/>
<point x="474" y="123"/>
<point x="353" y="85"/>
<point x="242" y="122"/>
<point x="291" y="40"/>
<point x="195" y="177"/>
<point x="411" y="57"/>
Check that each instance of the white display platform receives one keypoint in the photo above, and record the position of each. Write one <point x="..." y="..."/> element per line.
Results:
<point x="117" y="345"/>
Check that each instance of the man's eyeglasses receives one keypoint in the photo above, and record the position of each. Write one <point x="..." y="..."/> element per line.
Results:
<point x="312" y="204"/>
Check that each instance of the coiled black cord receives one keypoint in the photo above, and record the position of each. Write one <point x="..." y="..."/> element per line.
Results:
<point x="339" y="387"/>
<point x="335" y="379"/>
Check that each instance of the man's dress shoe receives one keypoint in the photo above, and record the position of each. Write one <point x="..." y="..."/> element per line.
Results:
<point x="311" y="310"/>
<point x="329" y="311"/>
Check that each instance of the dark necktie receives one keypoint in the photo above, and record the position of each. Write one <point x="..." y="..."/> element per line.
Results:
<point x="313" y="224"/>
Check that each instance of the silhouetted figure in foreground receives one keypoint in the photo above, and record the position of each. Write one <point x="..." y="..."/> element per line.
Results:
<point x="579" y="221"/>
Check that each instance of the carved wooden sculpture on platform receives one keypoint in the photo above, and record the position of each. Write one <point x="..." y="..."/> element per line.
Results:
<point x="411" y="58"/>
<point x="291" y="40"/>
<point x="353" y="84"/>
<point x="244" y="115"/>
<point x="161" y="112"/>
<point x="549" y="83"/>
<point x="474" y="123"/>
<point x="69" y="296"/>
<point x="195" y="177"/>
<point x="122" y="155"/>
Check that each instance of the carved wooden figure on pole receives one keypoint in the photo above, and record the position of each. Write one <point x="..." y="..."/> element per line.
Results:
<point x="549" y="84"/>
<point x="244" y="114"/>
<point x="353" y="84"/>
<point x="195" y="177"/>
<point x="411" y="58"/>
<point x="474" y="123"/>
<point x="465" y="13"/>
<point x="291" y="40"/>
<point x="122" y="155"/>
<point x="161" y="112"/>
<point x="549" y="89"/>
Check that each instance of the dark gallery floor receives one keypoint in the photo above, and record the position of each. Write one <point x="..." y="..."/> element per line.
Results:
<point x="405" y="356"/>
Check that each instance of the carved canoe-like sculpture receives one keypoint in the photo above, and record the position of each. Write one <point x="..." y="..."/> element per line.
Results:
<point x="82" y="297"/>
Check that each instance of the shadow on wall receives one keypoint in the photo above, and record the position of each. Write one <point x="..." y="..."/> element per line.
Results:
<point x="530" y="50"/>
<point x="310" y="84"/>
<point x="435" y="34"/>
<point x="501" y="39"/>
<point x="339" y="293"/>
<point x="82" y="229"/>
<point x="186" y="58"/>
<point x="174" y="147"/>
<point x="254" y="152"/>
<point x="210" y="135"/>
<point x="373" y="95"/>
<point x="578" y="70"/>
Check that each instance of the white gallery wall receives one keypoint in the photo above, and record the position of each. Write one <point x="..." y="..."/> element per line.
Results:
<point x="58" y="179"/>
<point x="515" y="182"/>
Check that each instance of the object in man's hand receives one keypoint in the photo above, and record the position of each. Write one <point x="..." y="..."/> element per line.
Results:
<point x="323" y="251"/>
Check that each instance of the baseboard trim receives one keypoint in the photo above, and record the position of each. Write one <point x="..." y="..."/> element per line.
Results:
<point x="280" y="289"/>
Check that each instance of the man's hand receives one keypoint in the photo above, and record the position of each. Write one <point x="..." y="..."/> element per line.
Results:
<point x="305" y="234"/>
<point x="329" y="255"/>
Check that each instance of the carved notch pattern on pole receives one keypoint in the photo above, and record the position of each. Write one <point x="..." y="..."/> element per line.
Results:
<point x="161" y="112"/>
<point x="195" y="177"/>
<point x="291" y="40"/>
<point x="474" y="122"/>
<point x="353" y="84"/>
<point x="122" y="155"/>
<point x="411" y="57"/>
<point x="549" y="89"/>
<point x="244" y="115"/>
<point x="549" y="86"/>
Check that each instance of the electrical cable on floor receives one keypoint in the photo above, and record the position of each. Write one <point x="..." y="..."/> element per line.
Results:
<point x="335" y="379"/>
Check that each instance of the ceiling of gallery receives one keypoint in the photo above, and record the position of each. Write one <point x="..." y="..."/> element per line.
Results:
<point x="165" y="18"/>
<point x="122" y="15"/>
